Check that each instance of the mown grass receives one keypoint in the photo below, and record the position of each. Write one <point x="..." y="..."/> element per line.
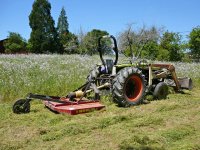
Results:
<point x="166" y="124"/>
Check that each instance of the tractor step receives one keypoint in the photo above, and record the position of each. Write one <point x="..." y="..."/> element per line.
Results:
<point x="74" y="108"/>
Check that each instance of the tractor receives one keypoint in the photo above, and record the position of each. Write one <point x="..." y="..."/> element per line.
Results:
<point x="128" y="83"/>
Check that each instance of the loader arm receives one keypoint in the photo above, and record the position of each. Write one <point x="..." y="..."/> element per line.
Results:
<point x="171" y="68"/>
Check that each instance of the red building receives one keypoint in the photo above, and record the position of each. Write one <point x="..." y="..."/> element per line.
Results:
<point x="2" y="48"/>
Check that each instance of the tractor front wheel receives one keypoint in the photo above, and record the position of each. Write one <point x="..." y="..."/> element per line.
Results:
<point x="160" y="91"/>
<point x="128" y="87"/>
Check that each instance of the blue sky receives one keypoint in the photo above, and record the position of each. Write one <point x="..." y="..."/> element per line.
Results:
<point x="110" y="15"/>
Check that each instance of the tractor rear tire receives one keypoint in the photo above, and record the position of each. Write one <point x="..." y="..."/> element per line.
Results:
<point x="128" y="87"/>
<point x="160" y="91"/>
<point x="94" y="73"/>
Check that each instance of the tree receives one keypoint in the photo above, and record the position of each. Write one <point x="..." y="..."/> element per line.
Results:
<point x="90" y="42"/>
<point x="70" y="43"/>
<point x="15" y="43"/>
<point x="194" y="42"/>
<point x="44" y="37"/>
<point x="141" y="42"/>
<point x="163" y="54"/>
<point x="171" y="42"/>
<point x="151" y="37"/>
<point x="68" y="40"/>
<point x="63" y="25"/>
<point x="150" y="50"/>
<point x="126" y="40"/>
<point x="81" y="35"/>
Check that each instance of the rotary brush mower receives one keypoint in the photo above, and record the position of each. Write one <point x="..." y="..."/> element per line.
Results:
<point x="128" y="83"/>
<point x="74" y="103"/>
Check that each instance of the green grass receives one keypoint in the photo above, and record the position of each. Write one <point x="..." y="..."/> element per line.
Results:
<point x="166" y="124"/>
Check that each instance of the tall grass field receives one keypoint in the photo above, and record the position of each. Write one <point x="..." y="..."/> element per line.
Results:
<point x="171" y="124"/>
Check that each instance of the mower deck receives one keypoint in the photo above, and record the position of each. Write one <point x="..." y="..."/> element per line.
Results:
<point x="74" y="108"/>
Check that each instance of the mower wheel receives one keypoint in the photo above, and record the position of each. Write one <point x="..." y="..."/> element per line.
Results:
<point x="128" y="87"/>
<point x="160" y="91"/>
<point x="21" y="106"/>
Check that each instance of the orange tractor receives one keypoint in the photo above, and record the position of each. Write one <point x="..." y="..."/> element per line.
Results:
<point x="128" y="83"/>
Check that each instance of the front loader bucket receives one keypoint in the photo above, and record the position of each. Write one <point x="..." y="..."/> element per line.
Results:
<point x="185" y="83"/>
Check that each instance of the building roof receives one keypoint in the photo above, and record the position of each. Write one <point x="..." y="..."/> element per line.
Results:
<point x="2" y="48"/>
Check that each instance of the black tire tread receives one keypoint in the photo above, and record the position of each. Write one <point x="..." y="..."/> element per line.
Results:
<point x="94" y="73"/>
<point x="160" y="91"/>
<point x="19" y="106"/>
<point x="118" y="85"/>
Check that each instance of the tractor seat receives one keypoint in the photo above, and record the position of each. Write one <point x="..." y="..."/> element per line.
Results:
<point x="109" y="65"/>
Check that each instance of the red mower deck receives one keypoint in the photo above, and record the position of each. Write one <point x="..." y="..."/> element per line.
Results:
<point x="74" y="108"/>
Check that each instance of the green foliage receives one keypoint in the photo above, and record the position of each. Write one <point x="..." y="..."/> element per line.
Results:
<point x="70" y="43"/>
<point x="68" y="40"/>
<point x="140" y="43"/>
<point x="29" y="46"/>
<point x="15" y="43"/>
<point x="63" y="25"/>
<point x="163" y="54"/>
<point x="150" y="39"/>
<point x="90" y="42"/>
<point x="150" y="50"/>
<point x="171" y="43"/>
<point x="194" y="42"/>
<point x="152" y="43"/>
<point x="44" y="37"/>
